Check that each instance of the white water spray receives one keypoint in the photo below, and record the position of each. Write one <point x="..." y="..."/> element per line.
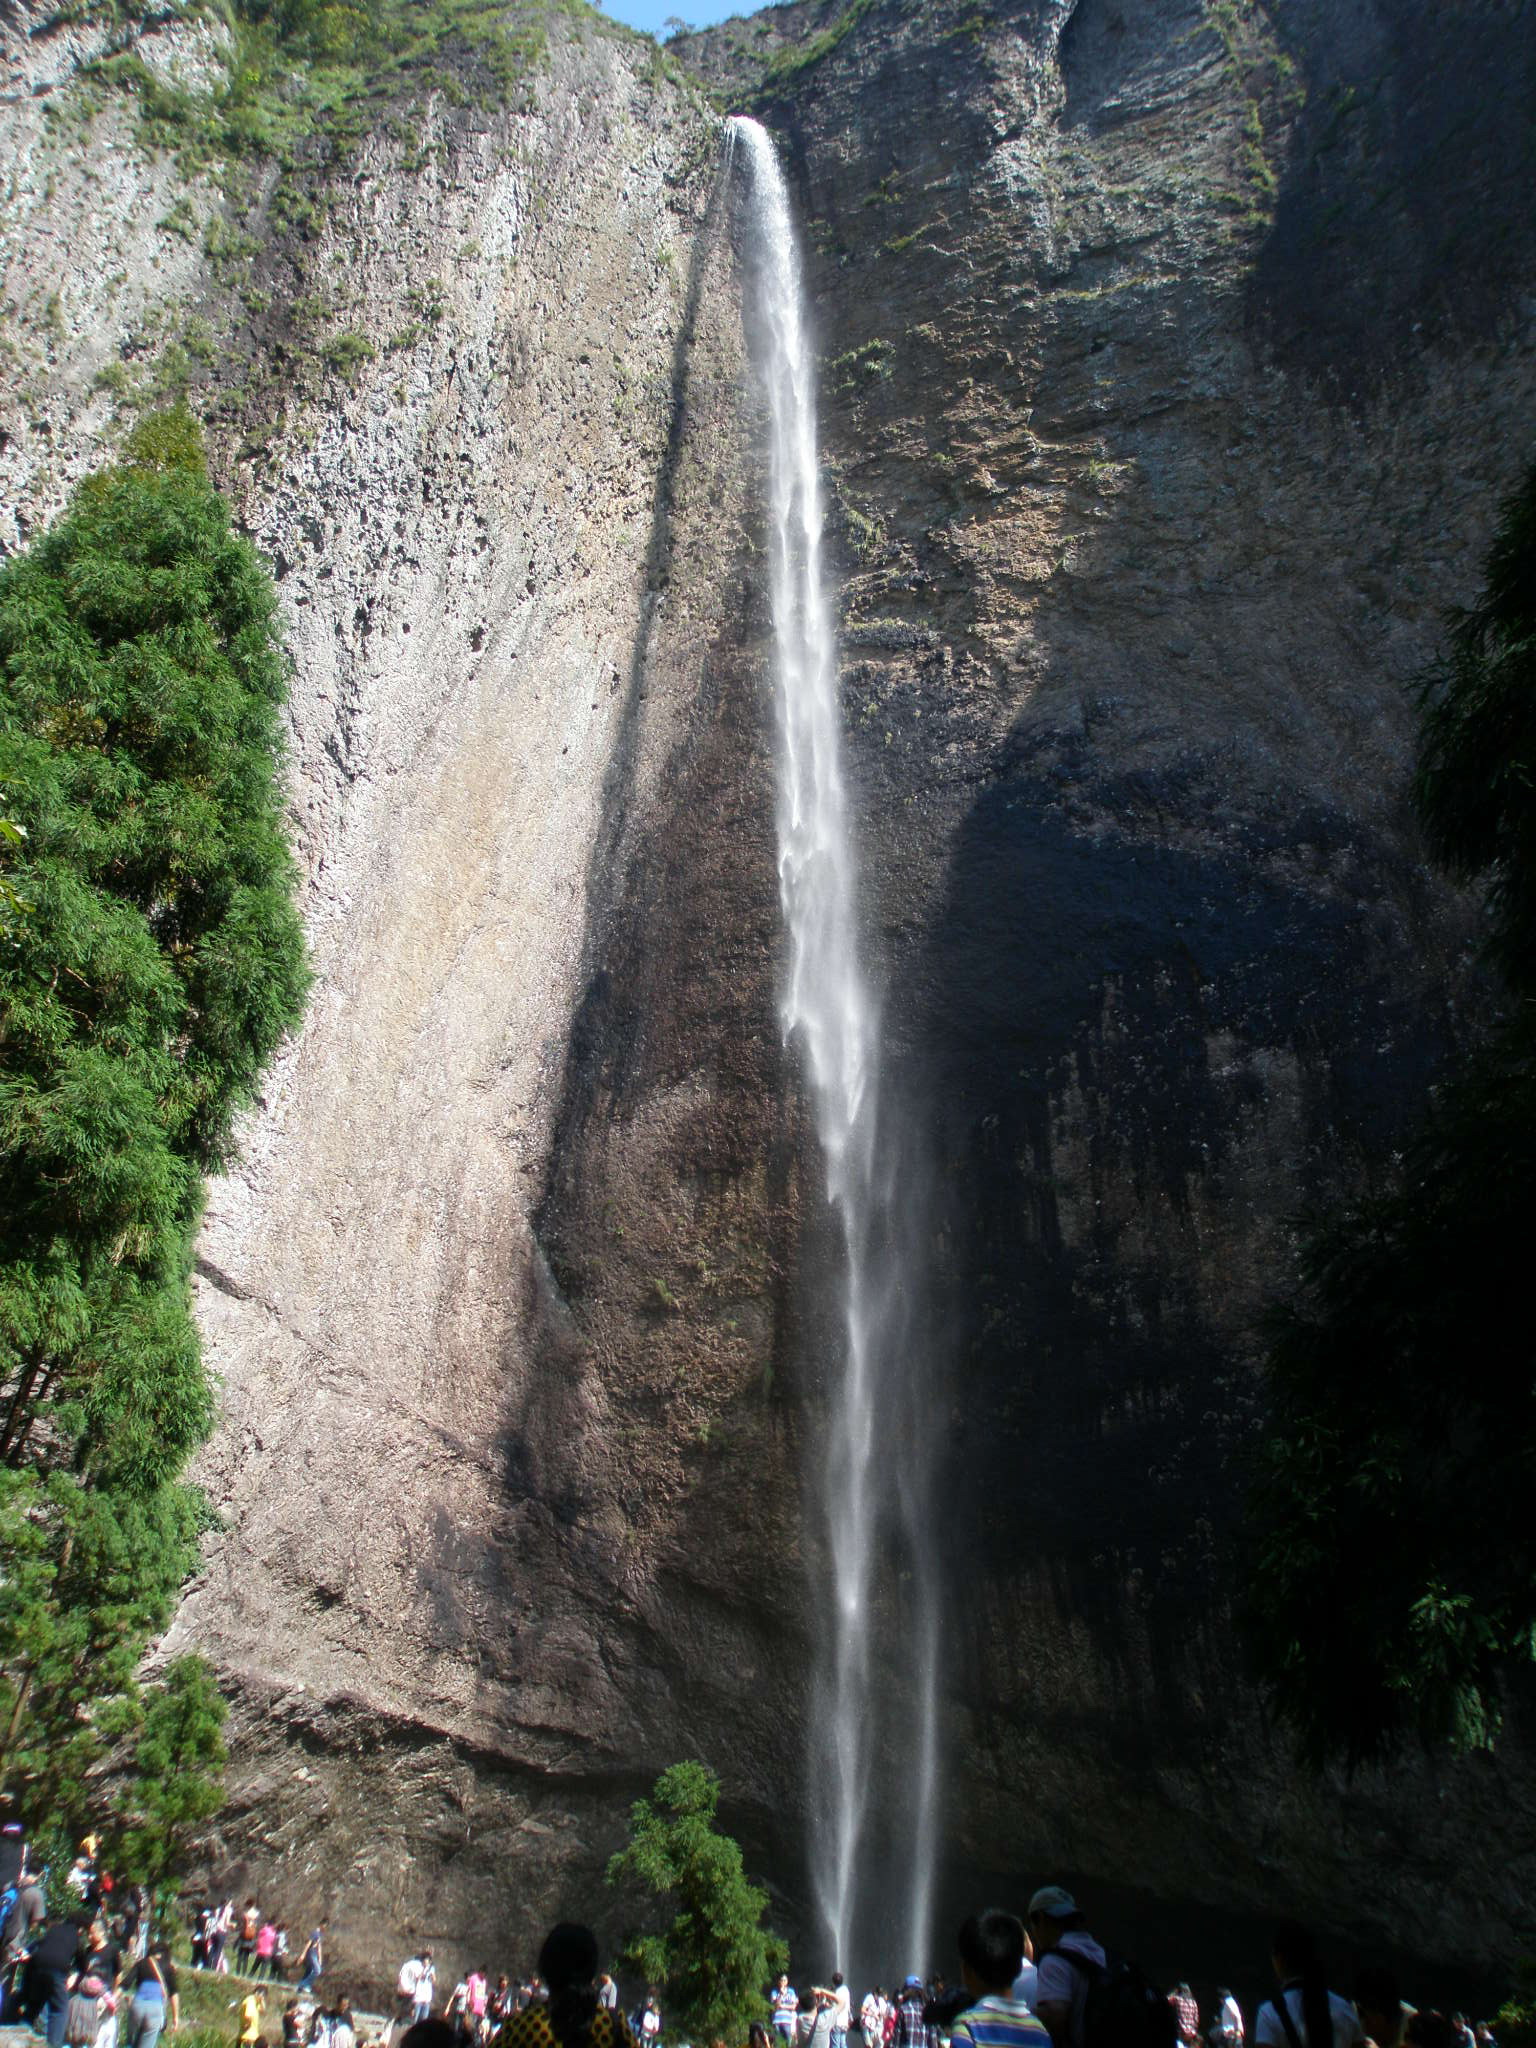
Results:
<point x="829" y="1009"/>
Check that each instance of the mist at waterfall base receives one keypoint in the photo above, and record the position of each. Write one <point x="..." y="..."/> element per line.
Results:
<point x="872" y="1790"/>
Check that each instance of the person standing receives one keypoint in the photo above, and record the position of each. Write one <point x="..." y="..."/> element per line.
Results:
<point x="252" y="2005"/>
<point x="426" y="1985"/>
<point x="842" y="2011"/>
<point x="1305" y="2014"/>
<point x="245" y="1940"/>
<point x="911" y="2029"/>
<point x="456" y="2010"/>
<point x="405" y="1994"/>
<point x="1186" y="2014"/>
<point x="607" y="1992"/>
<point x="1228" y="2030"/>
<point x="785" y="2002"/>
<point x="1068" y="1961"/>
<point x="156" y="1999"/>
<point x="219" y="1931"/>
<point x="991" y="1950"/>
<point x="53" y="1961"/>
<point x="313" y="1964"/>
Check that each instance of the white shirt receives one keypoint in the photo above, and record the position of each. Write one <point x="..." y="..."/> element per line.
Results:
<point x="1026" y="1986"/>
<point x="1269" y="2028"/>
<point x="409" y="1978"/>
<point x="842" y="2008"/>
<point x="869" y="2013"/>
<point x="650" y="2023"/>
<point x="1232" y="2017"/>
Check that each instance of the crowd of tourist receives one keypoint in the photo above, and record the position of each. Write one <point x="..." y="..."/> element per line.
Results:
<point x="97" y="1976"/>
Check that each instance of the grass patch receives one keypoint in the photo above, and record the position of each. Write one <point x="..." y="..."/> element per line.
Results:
<point x="304" y="72"/>
<point x="787" y="66"/>
<point x="860" y="366"/>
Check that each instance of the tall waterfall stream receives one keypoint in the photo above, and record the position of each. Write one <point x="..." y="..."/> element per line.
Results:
<point x="872" y="1474"/>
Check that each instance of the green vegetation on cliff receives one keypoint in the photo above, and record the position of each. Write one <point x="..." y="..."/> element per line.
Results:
<point x="717" y="1955"/>
<point x="1394" y="1583"/>
<point x="321" y="73"/>
<point x="154" y="965"/>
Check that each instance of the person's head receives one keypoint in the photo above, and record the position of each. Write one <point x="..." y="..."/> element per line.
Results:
<point x="343" y="2008"/>
<point x="1379" y="2004"/>
<point x="783" y="1980"/>
<point x="991" y="1946"/>
<point x="1053" y="1912"/>
<point x="757" y="2035"/>
<point x="426" y="1955"/>
<point x="429" y="2034"/>
<point x="1292" y="1950"/>
<point x="837" y="1980"/>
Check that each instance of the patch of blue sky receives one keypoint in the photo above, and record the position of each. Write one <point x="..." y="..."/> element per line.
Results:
<point x="655" y="16"/>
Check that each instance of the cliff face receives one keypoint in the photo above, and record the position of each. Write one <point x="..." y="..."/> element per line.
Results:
<point x="1173" y="360"/>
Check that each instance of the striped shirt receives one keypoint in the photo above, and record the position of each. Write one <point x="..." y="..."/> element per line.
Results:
<point x="997" y="2022"/>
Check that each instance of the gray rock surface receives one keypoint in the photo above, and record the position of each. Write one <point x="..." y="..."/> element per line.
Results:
<point x="1147" y="507"/>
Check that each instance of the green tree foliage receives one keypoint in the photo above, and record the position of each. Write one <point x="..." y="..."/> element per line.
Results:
<point x="1394" y="1575"/>
<point x="178" y="1775"/>
<point x="157" y="965"/>
<point x="717" y="1957"/>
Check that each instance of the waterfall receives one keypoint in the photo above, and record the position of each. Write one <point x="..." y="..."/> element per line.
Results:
<point x="829" y="1010"/>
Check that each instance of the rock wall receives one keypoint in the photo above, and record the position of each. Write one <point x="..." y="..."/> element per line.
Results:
<point x="1176" y="357"/>
<point x="1146" y="508"/>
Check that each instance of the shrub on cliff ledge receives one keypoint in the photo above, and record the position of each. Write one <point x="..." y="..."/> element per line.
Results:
<point x="156" y="964"/>
<point x="717" y="1956"/>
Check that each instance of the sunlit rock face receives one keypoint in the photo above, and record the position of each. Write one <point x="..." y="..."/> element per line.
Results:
<point x="1173" y="359"/>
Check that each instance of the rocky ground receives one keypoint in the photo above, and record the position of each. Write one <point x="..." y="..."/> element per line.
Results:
<point x="1174" y="356"/>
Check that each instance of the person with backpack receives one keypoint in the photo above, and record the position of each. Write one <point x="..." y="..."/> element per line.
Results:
<point x="1085" y="1999"/>
<point x="89" y="1998"/>
<point x="1305" y="2014"/>
<point x="156" y="1998"/>
<point x="405" y="1992"/>
<point x="26" y="1913"/>
<point x="245" y="1939"/>
<point x="991" y="1952"/>
<point x="1067" y="1961"/>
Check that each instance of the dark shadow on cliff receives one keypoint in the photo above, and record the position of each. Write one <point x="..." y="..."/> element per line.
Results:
<point x="1151" y="1018"/>
<point x="1400" y="217"/>
<point x="598" y="1037"/>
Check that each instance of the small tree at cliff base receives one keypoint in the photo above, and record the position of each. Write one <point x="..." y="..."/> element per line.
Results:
<point x="1393" y="1585"/>
<point x="177" y="1780"/>
<point x="717" y="1956"/>
<point x="151" y="958"/>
